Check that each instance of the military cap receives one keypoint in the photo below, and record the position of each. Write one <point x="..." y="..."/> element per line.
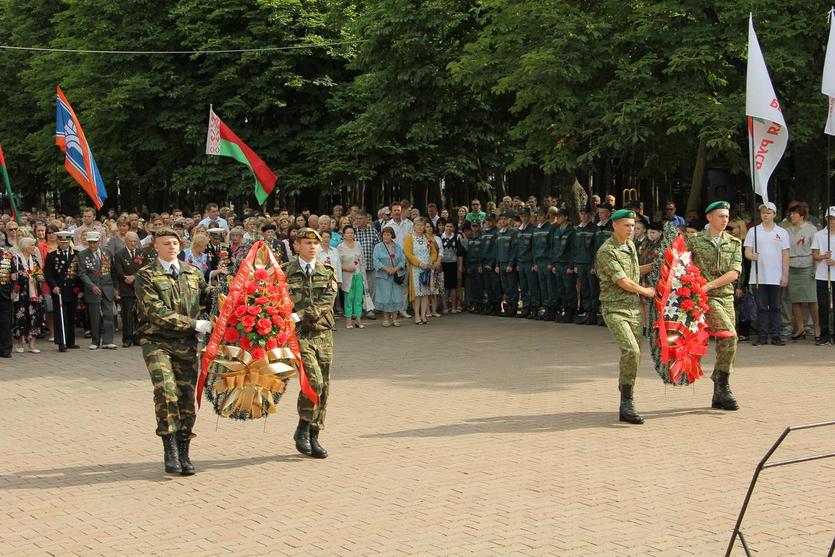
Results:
<point x="659" y="226"/>
<point x="165" y="231"/>
<point x="633" y="204"/>
<point x="218" y="230"/>
<point x="307" y="233"/>
<point x="542" y="211"/>
<point x="490" y="216"/>
<point x="268" y="226"/>
<point x="93" y="236"/>
<point x="509" y="214"/>
<point x="63" y="235"/>
<point x="607" y="206"/>
<point x="717" y="205"/>
<point x="524" y="211"/>
<point x="623" y="214"/>
<point x="561" y="212"/>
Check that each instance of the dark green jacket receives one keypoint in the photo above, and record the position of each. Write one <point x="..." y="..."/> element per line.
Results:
<point x="560" y="252"/>
<point x="506" y="247"/>
<point x="524" y="245"/>
<point x="488" y="248"/>
<point x="582" y="244"/>
<point x="541" y="242"/>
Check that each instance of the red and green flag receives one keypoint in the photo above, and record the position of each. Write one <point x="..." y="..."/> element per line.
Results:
<point x="8" y="185"/>
<point x="221" y="141"/>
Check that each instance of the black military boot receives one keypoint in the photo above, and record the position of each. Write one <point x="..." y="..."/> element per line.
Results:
<point x="591" y="319"/>
<point x="723" y="398"/>
<point x="628" y="413"/>
<point x="600" y="321"/>
<point x="185" y="462"/>
<point x="569" y="316"/>
<point x="302" y="438"/>
<point x="550" y="314"/>
<point x="317" y="450"/>
<point x="524" y="313"/>
<point x="171" y="455"/>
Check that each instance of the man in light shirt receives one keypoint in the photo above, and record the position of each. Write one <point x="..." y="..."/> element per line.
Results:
<point x="767" y="246"/>
<point x="212" y="217"/>
<point x="824" y="273"/>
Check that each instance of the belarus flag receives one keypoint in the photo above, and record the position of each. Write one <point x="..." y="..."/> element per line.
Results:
<point x="223" y="142"/>
<point x="767" y="131"/>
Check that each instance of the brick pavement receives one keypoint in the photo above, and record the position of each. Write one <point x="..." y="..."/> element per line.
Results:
<point x="472" y="436"/>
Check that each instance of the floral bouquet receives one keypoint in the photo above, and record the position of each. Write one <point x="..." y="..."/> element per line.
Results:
<point x="681" y="332"/>
<point x="253" y="350"/>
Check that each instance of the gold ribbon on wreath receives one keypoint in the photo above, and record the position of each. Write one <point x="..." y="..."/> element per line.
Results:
<point x="249" y="383"/>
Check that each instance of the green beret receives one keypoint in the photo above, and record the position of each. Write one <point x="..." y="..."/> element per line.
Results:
<point x="717" y="205"/>
<point x="165" y="231"/>
<point x="307" y="234"/>
<point x="623" y="214"/>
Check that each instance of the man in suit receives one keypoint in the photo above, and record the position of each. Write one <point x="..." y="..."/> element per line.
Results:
<point x="94" y="269"/>
<point x="126" y="262"/>
<point x="61" y="273"/>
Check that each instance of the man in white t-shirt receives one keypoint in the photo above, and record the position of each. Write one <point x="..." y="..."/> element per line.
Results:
<point x="824" y="273"/>
<point x="767" y="246"/>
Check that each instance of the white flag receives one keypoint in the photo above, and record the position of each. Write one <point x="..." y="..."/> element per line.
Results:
<point x="767" y="131"/>
<point x="828" y="84"/>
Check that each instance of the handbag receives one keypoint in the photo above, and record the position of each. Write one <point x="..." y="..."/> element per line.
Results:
<point x="367" y="302"/>
<point x="398" y="279"/>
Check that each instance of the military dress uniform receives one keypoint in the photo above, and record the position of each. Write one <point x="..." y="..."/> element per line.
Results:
<point x="94" y="270"/>
<point x="716" y="257"/>
<point x="474" y="287"/>
<point x="169" y="304"/>
<point x="540" y="249"/>
<point x="528" y="285"/>
<point x="313" y="292"/>
<point x="622" y="311"/>
<point x="8" y="276"/>
<point x="562" y="282"/>
<point x="127" y="262"/>
<point x="491" y="282"/>
<point x="505" y="252"/>
<point x="61" y="271"/>
<point x="582" y="257"/>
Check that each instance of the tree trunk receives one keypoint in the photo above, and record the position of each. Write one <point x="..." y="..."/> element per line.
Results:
<point x="694" y="200"/>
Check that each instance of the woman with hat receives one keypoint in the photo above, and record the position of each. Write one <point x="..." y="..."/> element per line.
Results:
<point x="28" y="310"/>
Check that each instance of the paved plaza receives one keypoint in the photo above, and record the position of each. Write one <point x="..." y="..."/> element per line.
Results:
<point x="472" y="436"/>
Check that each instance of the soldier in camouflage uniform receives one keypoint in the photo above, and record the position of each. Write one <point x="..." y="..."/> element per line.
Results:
<point x="475" y="282"/>
<point x="582" y="259"/>
<point x="170" y="296"/>
<point x="492" y="284"/>
<point x="505" y="263"/>
<point x="719" y="256"/>
<point x="616" y="264"/>
<point x="523" y="259"/>
<point x="539" y="249"/>
<point x="562" y="275"/>
<point x="312" y="287"/>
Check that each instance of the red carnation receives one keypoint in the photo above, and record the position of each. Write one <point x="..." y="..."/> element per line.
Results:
<point x="253" y="310"/>
<point x="231" y="335"/>
<point x="261" y="274"/>
<point x="240" y="311"/>
<point x="684" y="292"/>
<point x="251" y="287"/>
<point x="244" y="342"/>
<point x="248" y="322"/>
<point x="271" y="343"/>
<point x="687" y="305"/>
<point x="696" y="314"/>
<point x="257" y="353"/>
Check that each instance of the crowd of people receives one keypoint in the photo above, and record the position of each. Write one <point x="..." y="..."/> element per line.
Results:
<point x="522" y="258"/>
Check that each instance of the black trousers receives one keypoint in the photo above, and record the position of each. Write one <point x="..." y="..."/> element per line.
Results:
<point x="69" y="302"/>
<point x="823" y="306"/>
<point x="768" y="310"/>
<point x="6" y="309"/>
<point x="128" y="316"/>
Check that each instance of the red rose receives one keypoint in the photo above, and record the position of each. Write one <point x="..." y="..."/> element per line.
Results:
<point x="271" y="310"/>
<point x="282" y="338"/>
<point x="285" y="310"/>
<point x="277" y="319"/>
<point x="251" y="288"/>
<point x="264" y="323"/>
<point x="262" y="300"/>
<point x="261" y="274"/>
<point x="240" y="311"/>
<point x="271" y="343"/>
<point x="231" y="335"/>
<point x="257" y="352"/>
<point x="248" y="322"/>
<point x="253" y="310"/>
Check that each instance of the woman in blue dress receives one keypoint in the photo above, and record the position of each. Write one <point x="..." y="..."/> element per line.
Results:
<point x="389" y="262"/>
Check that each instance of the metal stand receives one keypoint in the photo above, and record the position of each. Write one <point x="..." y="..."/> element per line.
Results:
<point x="765" y="464"/>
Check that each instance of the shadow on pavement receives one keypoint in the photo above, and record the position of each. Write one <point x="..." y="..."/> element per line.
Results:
<point x="565" y="421"/>
<point x="121" y="472"/>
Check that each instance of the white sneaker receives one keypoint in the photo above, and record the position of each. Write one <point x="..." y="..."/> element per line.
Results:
<point x="94" y="347"/>
<point x="110" y="346"/>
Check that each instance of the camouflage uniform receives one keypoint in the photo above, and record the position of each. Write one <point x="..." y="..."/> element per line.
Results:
<point x="168" y="309"/>
<point x="313" y="297"/>
<point x="715" y="258"/>
<point x="621" y="309"/>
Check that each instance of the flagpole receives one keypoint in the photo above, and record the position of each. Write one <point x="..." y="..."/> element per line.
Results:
<point x="754" y="210"/>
